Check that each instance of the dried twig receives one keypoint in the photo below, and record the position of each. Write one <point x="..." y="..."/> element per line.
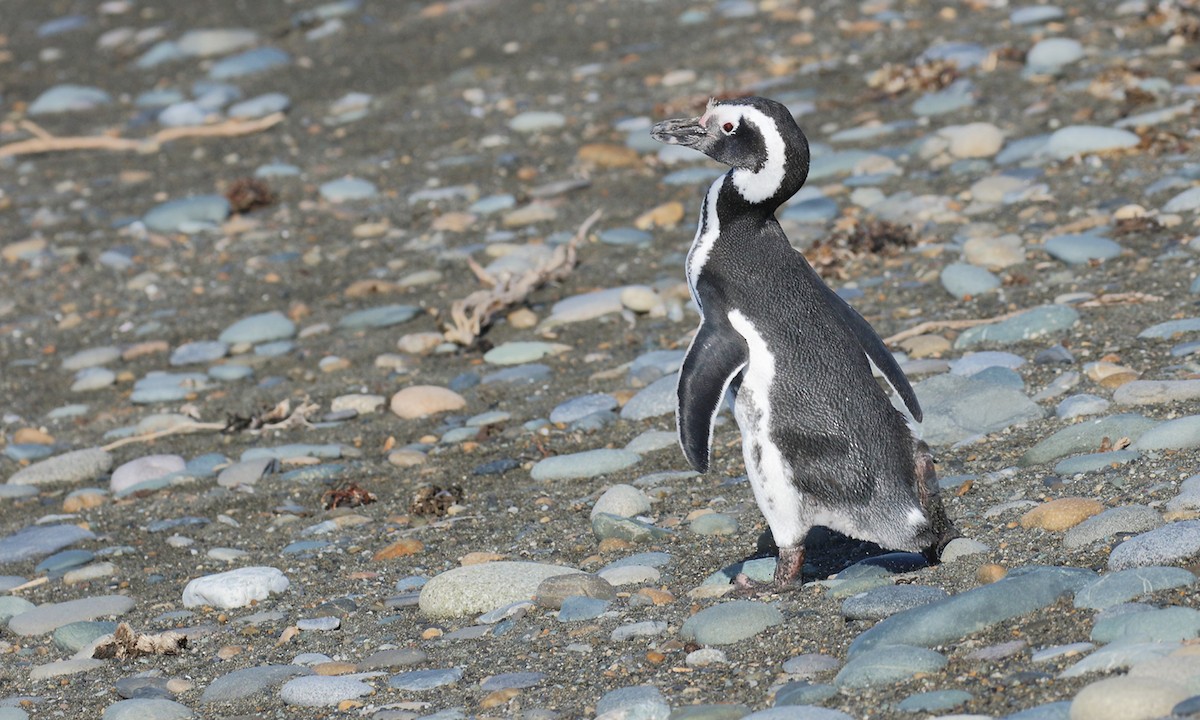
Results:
<point x="180" y="429"/>
<point x="125" y="643"/>
<point x="30" y="585"/>
<point x="45" y="142"/>
<point x="470" y="315"/>
<point x="437" y="525"/>
<point x="1125" y="298"/>
<point x="280" y="417"/>
<point x="931" y="325"/>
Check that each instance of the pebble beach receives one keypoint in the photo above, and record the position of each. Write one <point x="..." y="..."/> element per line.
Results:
<point x="339" y="344"/>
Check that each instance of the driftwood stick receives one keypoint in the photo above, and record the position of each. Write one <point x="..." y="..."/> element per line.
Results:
<point x="471" y="314"/>
<point x="44" y="142"/>
<point x="931" y="325"/>
<point x="181" y="429"/>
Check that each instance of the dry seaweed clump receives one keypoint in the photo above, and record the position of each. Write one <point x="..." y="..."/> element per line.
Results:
<point x="431" y="500"/>
<point x="894" y="79"/>
<point x="246" y="194"/>
<point x="870" y="238"/>
<point x="347" y="495"/>
<point x="126" y="643"/>
<point x="1177" y="19"/>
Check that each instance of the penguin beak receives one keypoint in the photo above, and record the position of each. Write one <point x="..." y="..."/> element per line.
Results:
<point x="680" y="131"/>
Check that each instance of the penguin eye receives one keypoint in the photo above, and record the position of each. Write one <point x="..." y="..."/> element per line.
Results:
<point x="727" y="127"/>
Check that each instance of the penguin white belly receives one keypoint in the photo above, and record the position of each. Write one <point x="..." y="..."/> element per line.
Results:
<point x="788" y="512"/>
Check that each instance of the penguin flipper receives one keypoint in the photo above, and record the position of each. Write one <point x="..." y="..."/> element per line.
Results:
<point x="873" y="346"/>
<point x="715" y="358"/>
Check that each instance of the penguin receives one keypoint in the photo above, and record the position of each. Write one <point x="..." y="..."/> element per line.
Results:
<point x="822" y="442"/>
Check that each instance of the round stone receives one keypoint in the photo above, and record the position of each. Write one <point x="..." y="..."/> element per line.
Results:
<point x="623" y="501"/>
<point x="1061" y="514"/>
<point x="420" y="401"/>
<point x="322" y="690"/>
<point x="144" y="469"/>
<point x="586" y="464"/>
<point x="75" y="466"/>
<point x="1127" y="698"/>
<point x="474" y="589"/>
<point x="974" y="140"/>
<point x="730" y="622"/>
<point x="235" y="588"/>
<point x="146" y="709"/>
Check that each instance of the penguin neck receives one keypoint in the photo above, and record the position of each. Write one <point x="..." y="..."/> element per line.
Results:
<point x="732" y="204"/>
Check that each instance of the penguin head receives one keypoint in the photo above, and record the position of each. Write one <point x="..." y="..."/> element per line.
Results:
<point x="755" y="136"/>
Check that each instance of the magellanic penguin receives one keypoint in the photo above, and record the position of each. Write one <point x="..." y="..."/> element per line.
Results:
<point x="822" y="443"/>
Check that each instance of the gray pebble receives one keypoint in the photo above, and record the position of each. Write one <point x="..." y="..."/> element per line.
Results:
<point x="810" y="665"/>
<point x="580" y="407"/>
<point x="888" y="600"/>
<point x="623" y="501"/>
<point x="249" y="62"/>
<point x="957" y="408"/>
<point x="320" y="624"/>
<point x="249" y="682"/>
<point x="655" y="400"/>
<point x="889" y="664"/>
<point x="1124" y="585"/>
<point x="730" y="622"/>
<point x="628" y="529"/>
<point x="578" y="607"/>
<point x="581" y="465"/>
<point x="1153" y="625"/>
<point x="944" y="621"/>
<point x="259" y="328"/>
<point x="39" y="540"/>
<point x="473" y="589"/>
<point x="1094" y="462"/>
<point x="934" y="701"/>
<point x="71" y="467"/>
<point x="322" y="690"/>
<point x="1172" y="543"/>
<point x="552" y="591"/>
<point x="146" y="709"/>
<point x="714" y="524"/>
<point x="962" y="280"/>
<point x="640" y="702"/>
<point x="1080" y="405"/>
<point x="1035" y="323"/>
<point x="1086" y="436"/>
<point x="416" y="680"/>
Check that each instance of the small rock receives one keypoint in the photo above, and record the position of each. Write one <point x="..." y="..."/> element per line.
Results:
<point x="144" y="469"/>
<point x="886" y="665"/>
<point x="235" y="588"/>
<point x="1125" y="585"/>
<point x="473" y="589"/>
<point x="1061" y="514"/>
<point x="1127" y="698"/>
<point x="552" y="591"/>
<point x="888" y="600"/>
<point x="623" y="501"/>
<point x="419" y="401"/>
<point x="322" y="691"/>
<point x="586" y="464"/>
<point x="730" y="622"/>
<point x="1172" y="543"/>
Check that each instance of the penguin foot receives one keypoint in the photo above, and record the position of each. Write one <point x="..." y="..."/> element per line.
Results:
<point x="940" y="525"/>
<point x="745" y="586"/>
<point x="786" y="579"/>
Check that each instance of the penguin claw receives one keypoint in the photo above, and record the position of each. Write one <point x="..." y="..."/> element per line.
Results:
<point x="745" y="586"/>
